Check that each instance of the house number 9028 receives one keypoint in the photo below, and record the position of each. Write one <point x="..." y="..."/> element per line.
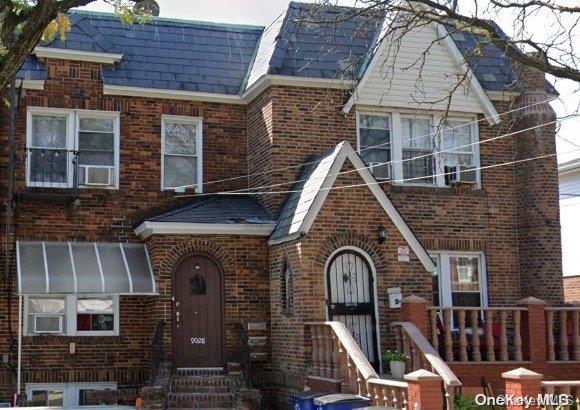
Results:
<point x="198" y="340"/>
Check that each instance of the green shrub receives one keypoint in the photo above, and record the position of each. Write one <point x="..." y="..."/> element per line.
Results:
<point x="394" y="356"/>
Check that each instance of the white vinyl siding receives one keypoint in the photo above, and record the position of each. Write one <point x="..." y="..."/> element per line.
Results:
<point x="399" y="78"/>
<point x="181" y="153"/>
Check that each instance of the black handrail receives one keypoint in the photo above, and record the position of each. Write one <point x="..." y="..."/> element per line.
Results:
<point x="158" y="355"/>
<point x="243" y="356"/>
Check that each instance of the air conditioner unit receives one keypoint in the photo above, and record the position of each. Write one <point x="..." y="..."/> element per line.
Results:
<point x="455" y="174"/>
<point x="47" y="324"/>
<point x="96" y="175"/>
<point x="380" y="170"/>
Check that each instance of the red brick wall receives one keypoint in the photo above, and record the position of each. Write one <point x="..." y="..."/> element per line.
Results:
<point x="244" y="262"/>
<point x="109" y="215"/>
<point x="572" y="289"/>
<point x="290" y="124"/>
<point x="349" y="217"/>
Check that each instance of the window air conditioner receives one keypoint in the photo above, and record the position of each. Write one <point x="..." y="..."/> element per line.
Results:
<point x="380" y="170"/>
<point x="95" y="175"/>
<point x="47" y="324"/>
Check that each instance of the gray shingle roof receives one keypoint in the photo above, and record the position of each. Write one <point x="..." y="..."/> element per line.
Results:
<point x="167" y="54"/>
<point x="307" y="187"/>
<point x="309" y="40"/>
<point x="314" y="40"/>
<point x="31" y="69"/>
<point x="218" y="209"/>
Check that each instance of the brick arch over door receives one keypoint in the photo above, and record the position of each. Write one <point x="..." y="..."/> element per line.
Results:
<point x="165" y="254"/>
<point x="181" y="250"/>
<point x="355" y="240"/>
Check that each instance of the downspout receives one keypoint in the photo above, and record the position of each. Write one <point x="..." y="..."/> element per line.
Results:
<point x="19" y="369"/>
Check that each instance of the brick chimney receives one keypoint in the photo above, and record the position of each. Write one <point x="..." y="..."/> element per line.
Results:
<point x="538" y="217"/>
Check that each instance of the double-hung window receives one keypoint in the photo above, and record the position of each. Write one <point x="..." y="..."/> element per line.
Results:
<point x="181" y="157"/>
<point x="374" y="133"/>
<point x="68" y="148"/>
<point x="72" y="315"/>
<point x="460" y="279"/>
<point x="419" y="149"/>
<point x="459" y="151"/>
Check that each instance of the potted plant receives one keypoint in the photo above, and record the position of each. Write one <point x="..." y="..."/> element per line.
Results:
<point x="397" y="362"/>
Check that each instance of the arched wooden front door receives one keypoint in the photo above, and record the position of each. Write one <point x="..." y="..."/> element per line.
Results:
<point x="351" y="299"/>
<point x="198" y="308"/>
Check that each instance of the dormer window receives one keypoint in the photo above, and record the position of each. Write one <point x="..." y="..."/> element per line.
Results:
<point x="413" y="149"/>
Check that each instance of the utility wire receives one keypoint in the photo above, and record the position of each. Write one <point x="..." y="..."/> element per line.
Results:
<point x="383" y="144"/>
<point x="519" y="161"/>
<point x="451" y="150"/>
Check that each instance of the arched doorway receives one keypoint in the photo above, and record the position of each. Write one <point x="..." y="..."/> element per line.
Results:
<point x="198" y="310"/>
<point x="351" y="298"/>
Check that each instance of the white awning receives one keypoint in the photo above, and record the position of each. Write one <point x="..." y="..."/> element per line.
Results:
<point x="84" y="267"/>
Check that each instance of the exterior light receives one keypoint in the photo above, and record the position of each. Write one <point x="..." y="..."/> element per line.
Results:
<point x="382" y="234"/>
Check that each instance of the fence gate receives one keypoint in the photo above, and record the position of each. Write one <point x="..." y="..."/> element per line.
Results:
<point x="351" y="299"/>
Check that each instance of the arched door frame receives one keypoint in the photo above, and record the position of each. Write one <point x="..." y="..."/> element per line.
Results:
<point x="369" y="260"/>
<point x="222" y="295"/>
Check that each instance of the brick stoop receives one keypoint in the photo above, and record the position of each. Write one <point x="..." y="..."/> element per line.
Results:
<point x="196" y="388"/>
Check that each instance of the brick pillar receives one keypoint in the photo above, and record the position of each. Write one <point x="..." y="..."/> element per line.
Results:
<point x="415" y="311"/>
<point x="538" y="215"/>
<point x="424" y="391"/>
<point x="533" y="327"/>
<point x="522" y="383"/>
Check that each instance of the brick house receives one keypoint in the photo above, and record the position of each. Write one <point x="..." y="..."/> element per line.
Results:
<point x="131" y="222"/>
<point x="569" y="178"/>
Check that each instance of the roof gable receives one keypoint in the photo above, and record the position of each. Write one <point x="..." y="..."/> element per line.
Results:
<point x="311" y="190"/>
<point x="420" y="69"/>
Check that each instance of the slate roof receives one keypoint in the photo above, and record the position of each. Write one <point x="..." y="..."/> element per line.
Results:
<point x="307" y="187"/>
<point x="167" y="54"/>
<point x="218" y="209"/>
<point x="308" y="40"/>
<point x="31" y="69"/>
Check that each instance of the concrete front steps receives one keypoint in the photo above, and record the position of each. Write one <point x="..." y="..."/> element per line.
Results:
<point x="200" y="389"/>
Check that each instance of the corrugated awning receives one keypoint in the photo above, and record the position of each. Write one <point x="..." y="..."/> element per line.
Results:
<point x="84" y="267"/>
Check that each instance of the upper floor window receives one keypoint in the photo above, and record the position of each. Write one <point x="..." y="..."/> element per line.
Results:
<point x="67" y="148"/>
<point x="410" y="149"/>
<point x="181" y="158"/>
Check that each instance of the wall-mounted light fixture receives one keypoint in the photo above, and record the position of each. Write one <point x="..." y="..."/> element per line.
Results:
<point x="382" y="234"/>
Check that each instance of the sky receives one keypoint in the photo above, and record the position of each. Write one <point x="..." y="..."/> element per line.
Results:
<point x="264" y="12"/>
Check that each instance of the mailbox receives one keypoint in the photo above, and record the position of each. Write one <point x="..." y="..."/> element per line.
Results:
<point x="395" y="297"/>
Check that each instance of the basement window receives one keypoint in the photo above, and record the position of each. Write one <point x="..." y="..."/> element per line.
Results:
<point x="70" y="395"/>
<point x="72" y="315"/>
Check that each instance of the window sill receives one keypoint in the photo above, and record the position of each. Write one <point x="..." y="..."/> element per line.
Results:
<point x="470" y="189"/>
<point x="80" y="335"/>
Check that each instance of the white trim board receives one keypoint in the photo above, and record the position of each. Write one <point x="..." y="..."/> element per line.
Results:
<point x="30" y="84"/>
<point x="487" y="107"/>
<point x="345" y="151"/>
<point x="147" y="229"/>
<point x="76" y="55"/>
<point x="249" y="94"/>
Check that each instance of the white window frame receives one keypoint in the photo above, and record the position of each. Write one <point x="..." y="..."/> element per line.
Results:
<point x="71" y="315"/>
<point x="198" y="122"/>
<point x="397" y="145"/>
<point x="71" y="391"/>
<point x="444" y="275"/>
<point x="72" y="141"/>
